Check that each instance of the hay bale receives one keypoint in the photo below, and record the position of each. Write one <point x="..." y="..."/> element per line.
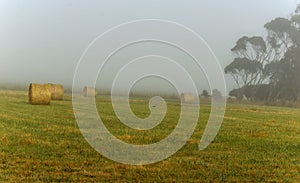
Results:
<point x="57" y="91"/>
<point x="89" y="91"/>
<point x="187" y="98"/>
<point x="39" y="94"/>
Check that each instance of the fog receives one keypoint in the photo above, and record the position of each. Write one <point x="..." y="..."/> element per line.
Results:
<point x="42" y="41"/>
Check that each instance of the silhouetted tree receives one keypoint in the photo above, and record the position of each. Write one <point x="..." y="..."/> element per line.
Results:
<point x="269" y="69"/>
<point x="252" y="54"/>
<point x="204" y="93"/>
<point x="216" y="93"/>
<point x="284" y="35"/>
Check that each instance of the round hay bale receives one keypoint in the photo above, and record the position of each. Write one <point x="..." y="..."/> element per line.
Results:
<point x="57" y="91"/>
<point x="187" y="98"/>
<point x="39" y="94"/>
<point x="89" y="91"/>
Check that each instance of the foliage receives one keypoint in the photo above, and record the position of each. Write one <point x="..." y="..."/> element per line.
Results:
<point x="274" y="62"/>
<point x="253" y="92"/>
<point x="245" y="69"/>
<point x="204" y="93"/>
<point x="216" y="93"/>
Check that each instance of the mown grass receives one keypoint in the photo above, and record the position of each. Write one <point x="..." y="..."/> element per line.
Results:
<point x="44" y="144"/>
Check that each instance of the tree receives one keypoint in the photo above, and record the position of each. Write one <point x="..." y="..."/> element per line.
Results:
<point x="285" y="77"/>
<point x="252" y="54"/>
<point x="253" y="92"/>
<point x="244" y="71"/>
<point x="269" y="69"/>
<point x="205" y="94"/>
<point x="284" y="74"/>
<point x="216" y="94"/>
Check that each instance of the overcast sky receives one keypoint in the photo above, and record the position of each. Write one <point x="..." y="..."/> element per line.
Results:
<point x="42" y="41"/>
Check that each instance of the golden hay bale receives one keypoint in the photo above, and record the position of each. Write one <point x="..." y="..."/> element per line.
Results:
<point x="187" y="98"/>
<point x="39" y="94"/>
<point x="89" y="91"/>
<point x="57" y="91"/>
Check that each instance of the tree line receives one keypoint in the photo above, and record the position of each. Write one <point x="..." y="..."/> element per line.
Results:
<point x="268" y="69"/>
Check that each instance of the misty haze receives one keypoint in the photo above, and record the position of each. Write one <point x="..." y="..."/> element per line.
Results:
<point x="150" y="91"/>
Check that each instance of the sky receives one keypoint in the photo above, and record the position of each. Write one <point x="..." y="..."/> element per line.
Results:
<point x="42" y="41"/>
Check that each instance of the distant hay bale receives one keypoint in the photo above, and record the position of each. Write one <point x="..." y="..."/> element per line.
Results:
<point x="89" y="91"/>
<point x="39" y="94"/>
<point x="57" y="91"/>
<point x="187" y="98"/>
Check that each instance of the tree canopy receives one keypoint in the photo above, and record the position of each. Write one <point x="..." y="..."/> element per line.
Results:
<point x="269" y="65"/>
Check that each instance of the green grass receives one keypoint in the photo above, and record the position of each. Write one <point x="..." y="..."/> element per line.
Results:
<point x="43" y="143"/>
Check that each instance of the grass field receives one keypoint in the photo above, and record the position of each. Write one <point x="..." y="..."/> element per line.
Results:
<point x="43" y="143"/>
